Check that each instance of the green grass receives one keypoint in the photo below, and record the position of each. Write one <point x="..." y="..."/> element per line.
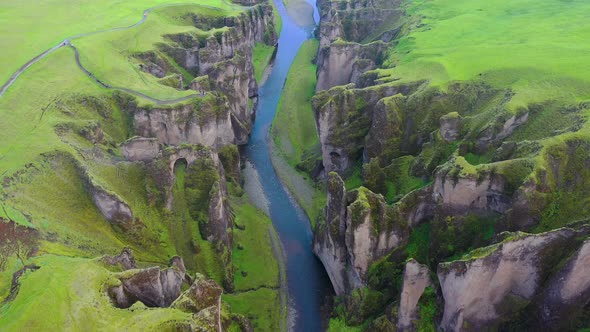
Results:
<point x="256" y="258"/>
<point x="29" y="27"/>
<point x="262" y="307"/>
<point x="354" y="180"/>
<point x="261" y="55"/>
<point x="536" y="48"/>
<point x="25" y="131"/>
<point x="428" y="310"/>
<point x="57" y="203"/>
<point x="69" y="294"/>
<point x="294" y="134"/>
<point x="257" y="295"/>
<point x="475" y="159"/>
<point x="338" y="325"/>
<point x="399" y="180"/>
<point x="419" y="243"/>
<point x="294" y="124"/>
<point x="109" y="56"/>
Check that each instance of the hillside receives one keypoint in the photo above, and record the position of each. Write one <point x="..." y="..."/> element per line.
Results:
<point x="444" y="125"/>
<point x="125" y="137"/>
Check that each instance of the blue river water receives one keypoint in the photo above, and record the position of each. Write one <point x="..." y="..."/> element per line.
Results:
<point x="308" y="284"/>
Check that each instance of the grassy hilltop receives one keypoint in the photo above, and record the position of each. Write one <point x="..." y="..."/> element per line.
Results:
<point x="50" y="149"/>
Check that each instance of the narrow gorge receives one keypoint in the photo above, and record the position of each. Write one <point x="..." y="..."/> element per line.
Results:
<point x="287" y="165"/>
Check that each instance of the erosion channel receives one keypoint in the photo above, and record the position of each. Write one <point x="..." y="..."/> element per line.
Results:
<point x="308" y="284"/>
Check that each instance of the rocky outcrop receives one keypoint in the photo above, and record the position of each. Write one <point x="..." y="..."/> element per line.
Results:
<point x="343" y="117"/>
<point x="219" y="216"/>
<point x="140" y="149"/>
<point x="113" y="208"/>
<point x="343" y="63"/>
<point x="568" y="291"/>
<point x="222" y="63"/>
<point x="450" y="126"/>
<point x="357" y="21"/>
<point x="471" y="193"/>
<point x="208" y="123"/>
<point x="359" y="229"/>
<point x="154" y="287"/>
<point x="416" y="279"/>
<point x="502" y="129"/>
<point x="125" y="260"/>
<point x="372" y="231"/>
<point x="507" y="277"/>
<point x="329" y="240"/>
<point x="202" y="294"/>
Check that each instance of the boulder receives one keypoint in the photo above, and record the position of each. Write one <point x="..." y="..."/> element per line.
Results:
<point x="125" y="260"/>
<point x="153" y="286"/>
<point x="450" y="126"/>
<point x="203" y="293"/>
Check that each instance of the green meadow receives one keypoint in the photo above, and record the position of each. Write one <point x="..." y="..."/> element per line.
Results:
<point x="295" y="139"/>
<point x="538" y="48"/>
<point x="29" y="27"/>
<point x="44" y="117"/>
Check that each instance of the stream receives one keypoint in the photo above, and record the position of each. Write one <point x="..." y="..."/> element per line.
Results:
<point x="307" y="282"/>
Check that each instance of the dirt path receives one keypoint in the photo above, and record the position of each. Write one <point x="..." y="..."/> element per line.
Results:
<point x="67" y="42"/>
<point x="133" y="92"/>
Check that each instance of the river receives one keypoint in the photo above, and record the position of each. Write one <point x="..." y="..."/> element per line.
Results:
<point x="308" y="284"/>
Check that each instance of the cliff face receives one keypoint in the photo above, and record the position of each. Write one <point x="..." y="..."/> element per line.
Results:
<point x="222" y="63"/>
<point x="359" y="228"/>
<point x="344" y="63"/>
<point x="191" y="132"/>
<point x="343" y="118"/>
<point x="203" y="123"/>
<point x="457" y="165"/>
<point x="511" y="276"/>
<point x="416" y="279"/>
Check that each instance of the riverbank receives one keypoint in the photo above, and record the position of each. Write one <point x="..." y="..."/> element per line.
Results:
<point x="307" y="282"/>
<point x="293" y="139"/>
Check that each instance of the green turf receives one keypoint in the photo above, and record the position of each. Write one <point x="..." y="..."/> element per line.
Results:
<point x="294" y="134"/>
<point x="261" y="306"/>
<point x="261" y="56"/>
<point x="29" y="27"/>
<point x="256" y="256"/>
<point x="538" y="48"/>
<point x="294" y="123"/>
<point x="69" y="294"/>
<point x="109" y="56"/>
<point x="338" y="325"/>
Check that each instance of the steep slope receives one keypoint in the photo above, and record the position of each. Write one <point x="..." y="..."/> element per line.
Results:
<point x="87" y="170"/>
<point x="455" y="129"/>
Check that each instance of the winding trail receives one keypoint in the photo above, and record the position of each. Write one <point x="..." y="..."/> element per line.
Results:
<point x="67" y="42"/>
<point x="133" y="92"/>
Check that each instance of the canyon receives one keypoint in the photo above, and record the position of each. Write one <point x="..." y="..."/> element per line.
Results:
<point x="263" y="166"/>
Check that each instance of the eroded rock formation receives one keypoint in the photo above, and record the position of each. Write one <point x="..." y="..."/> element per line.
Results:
<point x="153" y="286"/>
<point x="416" y="279"/>
<point x="359" y="229"/>
<point x="494" y="284"/>
<point x="222" y="65"/>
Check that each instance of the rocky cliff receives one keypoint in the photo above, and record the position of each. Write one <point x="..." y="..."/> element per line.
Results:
<point x="509" y="277"/>
<point x="457" y="164"/>
<point x="359" y="228"/>
<point x="221" y="62"/>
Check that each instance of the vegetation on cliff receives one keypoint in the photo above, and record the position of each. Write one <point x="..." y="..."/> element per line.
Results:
<point x="67" y="179"/>
<point x="470" y="117"/>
